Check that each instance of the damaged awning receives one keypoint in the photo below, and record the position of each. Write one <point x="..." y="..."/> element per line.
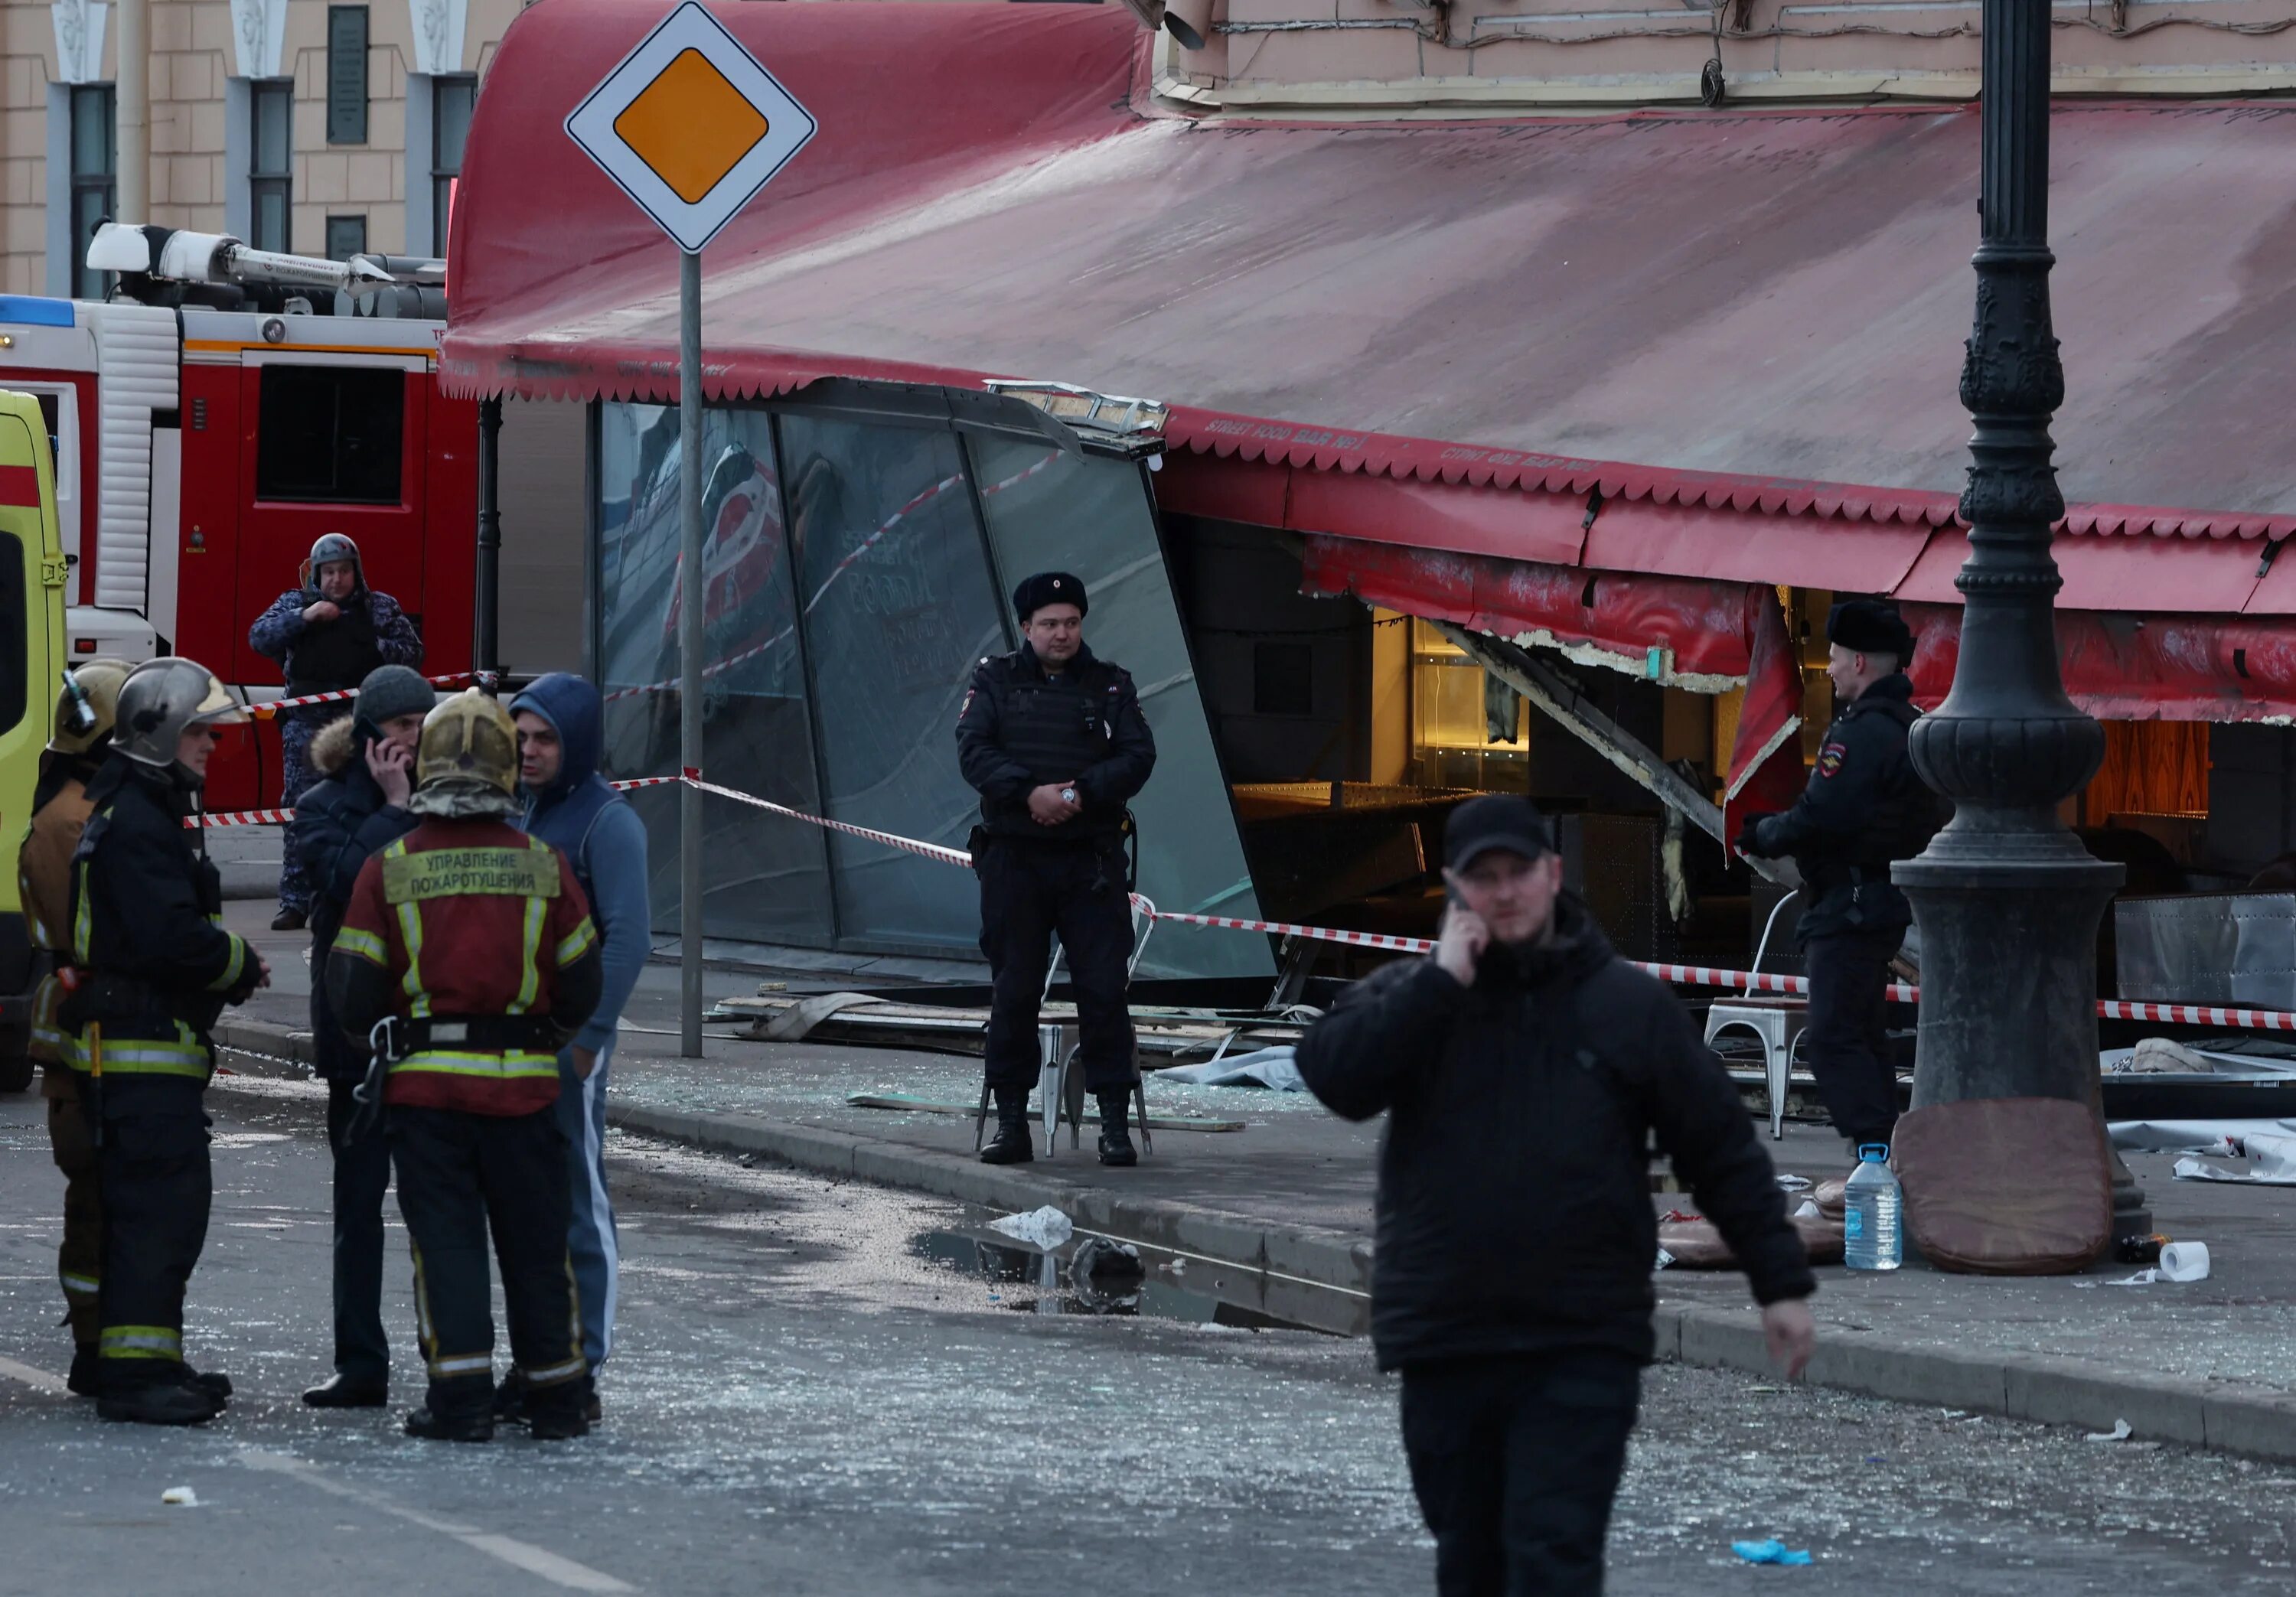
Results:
<point x="1437" y="346"/>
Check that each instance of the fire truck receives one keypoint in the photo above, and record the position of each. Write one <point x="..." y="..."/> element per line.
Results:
<point x="221" y="410"/>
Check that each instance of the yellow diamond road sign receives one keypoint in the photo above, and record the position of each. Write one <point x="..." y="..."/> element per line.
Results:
<point x="690" y="126"/>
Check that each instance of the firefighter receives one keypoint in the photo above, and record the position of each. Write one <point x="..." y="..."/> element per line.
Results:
<point x="1864" y="807"/>
<point x="468" y="956"/>
<point x="1053" y="739"/>
<point x="327" y="633"/>
<point x="60" y="810"/>
<point x="154" y="969"/>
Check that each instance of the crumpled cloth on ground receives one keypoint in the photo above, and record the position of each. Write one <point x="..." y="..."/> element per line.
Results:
<point x="1046" y="1227"/>
<point x="1270" y="1068"/>
<point x="1771" y="1552"/>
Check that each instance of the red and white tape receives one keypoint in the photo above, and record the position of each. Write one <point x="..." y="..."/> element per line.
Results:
<point x="272" y="707"/>
<point x="1688" y="975"/>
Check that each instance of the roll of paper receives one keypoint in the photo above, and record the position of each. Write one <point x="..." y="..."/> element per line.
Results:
<point x="2185" y="1261"/>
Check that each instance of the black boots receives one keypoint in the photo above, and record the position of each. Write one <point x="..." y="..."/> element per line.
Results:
<point x="1011" y="1144"/>
<point x="180" y="1401"/>
<point x="342" y="1391"/>
<point x="478" y="1426"/>
<point x="1115" y="1119"/>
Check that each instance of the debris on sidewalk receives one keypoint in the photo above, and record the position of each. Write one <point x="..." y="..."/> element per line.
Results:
<point x="1046" y="1227"/>
<point x="2185" y="1261"/>
<point x="1270" y="1068"/>
<point x="1771" y="1552"/>
<point x="180" y="1497"/>
<point x="2121" y="1432"/>
<point x="1794" y="1184"/>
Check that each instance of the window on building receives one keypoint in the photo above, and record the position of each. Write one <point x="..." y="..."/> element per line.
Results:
<point x="347" y="74"/>
<point x="330" y="435"/>
<point x="1284" y="679"/>
<point x="95" y="167"/>
<point x="271" y="181"/>
<point x="345" y="237"/>
<point x="452" y="100"/>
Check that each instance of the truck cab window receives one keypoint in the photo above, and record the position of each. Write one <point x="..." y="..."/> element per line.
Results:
<point x="331" y="435"/>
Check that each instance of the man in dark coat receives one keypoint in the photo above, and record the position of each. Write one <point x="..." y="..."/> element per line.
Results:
<point x="1863" y="807"/>
<point x="1523" y="1067"/>
<point x="327" y="633"/>
<point x="367" y="763"/>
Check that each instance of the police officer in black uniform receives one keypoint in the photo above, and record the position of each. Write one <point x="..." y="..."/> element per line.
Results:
<point x="1864" y="807"/>
<point x="1053" y="738"/>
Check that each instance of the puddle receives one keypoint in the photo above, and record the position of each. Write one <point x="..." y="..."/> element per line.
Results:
<point x="1171" y="1286"/>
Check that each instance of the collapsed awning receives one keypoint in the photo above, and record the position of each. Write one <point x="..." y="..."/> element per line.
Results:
<point x="1444" y="339"/>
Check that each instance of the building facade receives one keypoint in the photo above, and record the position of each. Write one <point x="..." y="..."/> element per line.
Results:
<point x="296" y="125"/>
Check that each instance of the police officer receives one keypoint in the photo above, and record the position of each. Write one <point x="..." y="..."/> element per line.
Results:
<point x="1863" y="807"/>
<point x="472" y="940"/>
<point x="60" y="811"/>
<point x="1053" y="738"/>
<point x="154" y="969"/>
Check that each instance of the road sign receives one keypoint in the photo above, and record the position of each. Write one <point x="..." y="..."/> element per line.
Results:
<point x="690" y="126"/>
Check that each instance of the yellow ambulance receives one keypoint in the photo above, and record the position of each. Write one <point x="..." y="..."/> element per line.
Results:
<point x="32" y="660"/>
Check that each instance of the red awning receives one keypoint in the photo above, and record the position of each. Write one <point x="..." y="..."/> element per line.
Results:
<point x="1445" y="337"/>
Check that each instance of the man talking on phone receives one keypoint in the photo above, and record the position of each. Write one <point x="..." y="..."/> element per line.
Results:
<point x="1523" y="1067"/>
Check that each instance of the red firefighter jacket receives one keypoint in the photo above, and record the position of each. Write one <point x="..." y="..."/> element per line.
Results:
<point x="467" y="920"/>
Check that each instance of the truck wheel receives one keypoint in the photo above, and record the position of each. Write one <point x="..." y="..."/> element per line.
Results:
<point x="16" y="1068"/>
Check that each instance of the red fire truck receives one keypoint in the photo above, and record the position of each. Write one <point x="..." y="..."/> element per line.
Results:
<point x="219" y="412"/>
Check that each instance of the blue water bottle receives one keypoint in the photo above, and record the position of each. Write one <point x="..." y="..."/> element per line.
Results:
<point x="1873" y="1233"/>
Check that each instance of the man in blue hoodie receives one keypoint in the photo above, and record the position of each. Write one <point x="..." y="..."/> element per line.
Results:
<point x="560" y="735"/>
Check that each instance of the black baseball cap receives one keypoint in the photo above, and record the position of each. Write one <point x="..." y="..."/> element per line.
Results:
<point x="1494" y="821"/>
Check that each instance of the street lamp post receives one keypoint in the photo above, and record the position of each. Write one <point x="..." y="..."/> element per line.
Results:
<point x="2006" y="898"/>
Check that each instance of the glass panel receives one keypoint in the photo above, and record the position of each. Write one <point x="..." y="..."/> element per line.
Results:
<point x="451" y="102"/>
<point x="92" y="132"/>
<point x="271" y="231"/>
<point x="347" y="74"/>
<point x="275" y="111"/>
<point x="900" y="603"/>
<point x="767" y="878"/>
<point x="442" y="211"/>
<point x="345" y="237"/>
<point x="331" y="435"/>
<point x="90" y="205"/>
<point x="1050" y="511"/>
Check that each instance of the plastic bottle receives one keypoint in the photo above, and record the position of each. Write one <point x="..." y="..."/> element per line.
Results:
<point x="1872" y="1233"/>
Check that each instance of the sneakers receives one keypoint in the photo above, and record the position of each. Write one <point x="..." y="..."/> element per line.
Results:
<point x="159" y="1402"/>
<point x="450" y="1428"/>
<point x="342" y="1391"/>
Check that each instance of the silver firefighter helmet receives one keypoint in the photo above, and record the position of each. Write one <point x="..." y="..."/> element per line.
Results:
<point x="163" y="698"/>
<point x="332" y="546"/>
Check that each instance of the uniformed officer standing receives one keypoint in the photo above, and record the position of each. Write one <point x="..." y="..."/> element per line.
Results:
<point x="60" y="812"/>
<point x="1863" y="807"/>
<point x="1053" y="738"/>
<point x="154" y="969"/>
<point x="473" y="941"/>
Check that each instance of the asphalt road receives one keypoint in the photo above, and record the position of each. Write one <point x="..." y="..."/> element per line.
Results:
<point x="816" y="1391"/>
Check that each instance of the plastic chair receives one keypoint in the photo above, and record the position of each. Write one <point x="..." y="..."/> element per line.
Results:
<point x="1778" y="1023"/>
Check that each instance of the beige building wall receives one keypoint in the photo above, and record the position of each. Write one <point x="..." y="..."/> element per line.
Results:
<point x="196" y="53"/>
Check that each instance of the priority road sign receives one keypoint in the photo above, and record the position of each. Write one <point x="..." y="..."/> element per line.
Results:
<point x="690" y="126"/>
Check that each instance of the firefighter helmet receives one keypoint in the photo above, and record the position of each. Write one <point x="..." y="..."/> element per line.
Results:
<point x="161" y="699"/>
<point x="88" y="704"/>
<point x="469" y="741"/>
<point x="332" y="547"/>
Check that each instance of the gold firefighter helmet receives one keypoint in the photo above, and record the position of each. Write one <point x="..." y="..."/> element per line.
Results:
<point x="161" y="699"/>
<point x="469" y="738"/>
<point x="88" y="704"/>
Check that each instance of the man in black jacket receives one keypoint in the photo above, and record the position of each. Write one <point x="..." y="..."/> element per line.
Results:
<point x="1863" y="807"/>
<point x="1053" y="738"/>
<point x="367" y="762"/>
<point x="1523" y="1067"/>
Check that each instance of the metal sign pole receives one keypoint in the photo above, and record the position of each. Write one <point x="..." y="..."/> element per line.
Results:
<point x="689" y="649"/>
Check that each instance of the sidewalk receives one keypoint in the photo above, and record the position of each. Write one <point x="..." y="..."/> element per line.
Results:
<point x="2205" y="1364"/>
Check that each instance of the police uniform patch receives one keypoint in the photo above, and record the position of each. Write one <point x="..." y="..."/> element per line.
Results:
<point x="1830" y="759"/>
<point x="967" y="705"/>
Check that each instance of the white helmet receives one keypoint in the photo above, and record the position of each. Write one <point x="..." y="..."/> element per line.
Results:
<point x="163" y="698"/>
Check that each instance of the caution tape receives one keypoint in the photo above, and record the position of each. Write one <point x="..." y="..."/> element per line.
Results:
<point x="272" y="707"/>
<point x="1688" y="975"/>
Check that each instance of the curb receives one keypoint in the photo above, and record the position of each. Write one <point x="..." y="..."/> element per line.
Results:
<point x="2218" y="1416"/>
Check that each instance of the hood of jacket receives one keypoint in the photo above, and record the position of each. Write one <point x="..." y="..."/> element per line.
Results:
<point x="573" y="707"/>
<point x="332" y="746"/>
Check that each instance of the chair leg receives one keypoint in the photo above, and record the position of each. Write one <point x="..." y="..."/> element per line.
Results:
<point x="981" y="1117"/>
<point x="1140" y="1103"/>
<point x="1777" y="1060"/>
<point x="1073" y="1101"/>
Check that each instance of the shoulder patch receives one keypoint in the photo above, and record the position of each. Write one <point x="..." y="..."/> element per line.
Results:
<point x="967" y="705"/>
<point x="1830" y="759"/>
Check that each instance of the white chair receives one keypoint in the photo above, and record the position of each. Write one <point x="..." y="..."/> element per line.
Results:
<point x="1776" y="1021"/>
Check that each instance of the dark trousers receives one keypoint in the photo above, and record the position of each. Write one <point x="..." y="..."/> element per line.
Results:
<point x="1515" y="1462"/>
<point x="79" y="1260"/>
<point x="461" y="1175"/>
<point x="1846" y="1042"/>
<point x="1027" y="892"/>
<point x="362" y="1176"/>
<point x="157" y="1189"/>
